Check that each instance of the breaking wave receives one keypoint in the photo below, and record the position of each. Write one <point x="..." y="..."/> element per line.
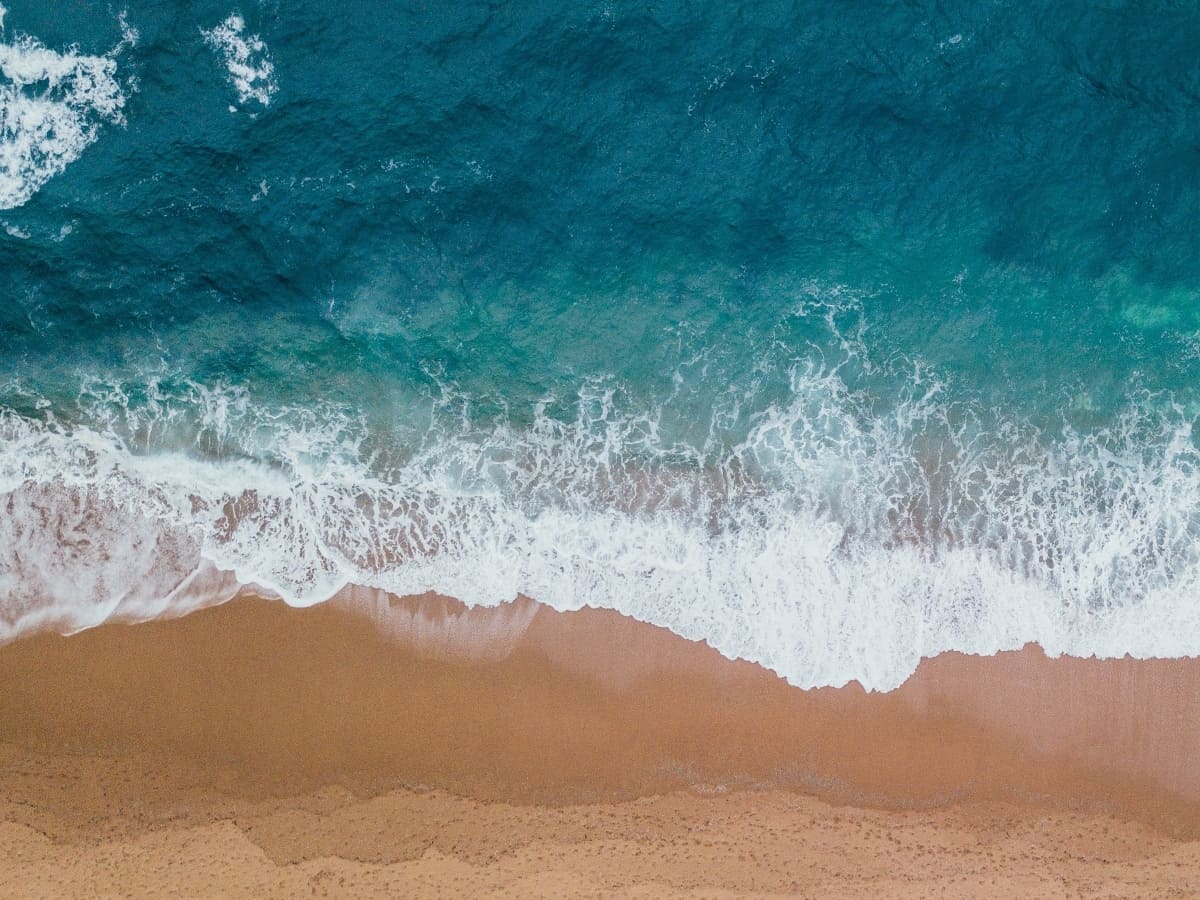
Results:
<point x="836" y="540"/>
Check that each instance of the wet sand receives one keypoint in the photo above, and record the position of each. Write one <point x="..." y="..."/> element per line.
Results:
<point x="375" y="745"/>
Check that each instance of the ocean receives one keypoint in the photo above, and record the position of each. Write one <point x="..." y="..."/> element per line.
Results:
<point x="836" y="335"/>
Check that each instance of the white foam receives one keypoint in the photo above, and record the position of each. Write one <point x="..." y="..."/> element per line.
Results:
<point x="52" y="107"/>
<point x="246" y="58"/>
<point x="838" y="541"/>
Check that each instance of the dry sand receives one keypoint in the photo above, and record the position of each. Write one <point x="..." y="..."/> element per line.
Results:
<point x="374" y="746"/>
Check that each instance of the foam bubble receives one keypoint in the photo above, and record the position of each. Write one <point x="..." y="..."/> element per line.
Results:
<point x="52" y="107"/>
<point x="246" y="59"/>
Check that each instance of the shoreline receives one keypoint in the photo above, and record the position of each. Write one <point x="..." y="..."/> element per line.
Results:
<point x="186" y="724"/>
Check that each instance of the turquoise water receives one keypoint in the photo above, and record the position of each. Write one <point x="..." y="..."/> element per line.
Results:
<point x="835" y="334"/>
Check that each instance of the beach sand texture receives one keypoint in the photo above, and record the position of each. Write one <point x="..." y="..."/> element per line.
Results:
<point x="377" y="745"/>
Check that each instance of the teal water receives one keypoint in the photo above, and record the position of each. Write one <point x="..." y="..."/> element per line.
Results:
<point x="835" y="334"/>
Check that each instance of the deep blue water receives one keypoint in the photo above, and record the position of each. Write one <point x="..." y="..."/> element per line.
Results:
<point x="837" y="334"/>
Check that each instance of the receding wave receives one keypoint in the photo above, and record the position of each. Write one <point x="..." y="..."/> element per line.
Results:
<point x="836" y="539"/>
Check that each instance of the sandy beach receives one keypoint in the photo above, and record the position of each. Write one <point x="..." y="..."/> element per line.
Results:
<point x="376" y="745"/>
<point x="645" y="449"/>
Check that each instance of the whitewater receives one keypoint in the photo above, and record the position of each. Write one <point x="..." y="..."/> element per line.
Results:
<point x="827" y="545"/>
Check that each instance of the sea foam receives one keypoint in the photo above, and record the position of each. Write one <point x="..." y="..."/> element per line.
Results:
<point x="52" y="107"/>
<point x="246" y="58"/>
<point x="838" y="540"/>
